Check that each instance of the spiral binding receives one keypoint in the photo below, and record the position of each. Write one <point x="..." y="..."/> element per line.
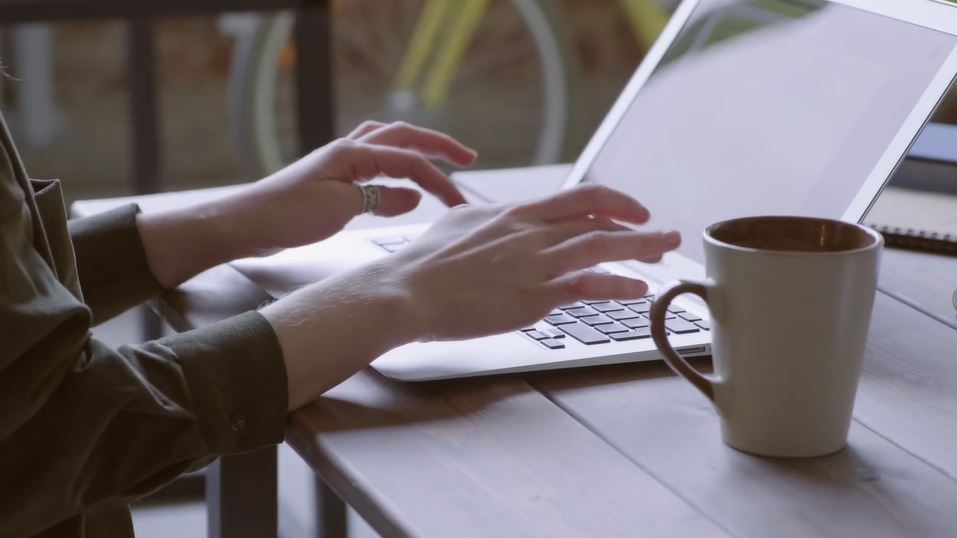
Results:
<point x="919" y="240"/>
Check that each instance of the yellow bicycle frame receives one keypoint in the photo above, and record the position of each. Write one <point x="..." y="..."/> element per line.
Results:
<point x="443" y="33"/>
<point x="445" y="29"/>
<point x="646" y="18"/>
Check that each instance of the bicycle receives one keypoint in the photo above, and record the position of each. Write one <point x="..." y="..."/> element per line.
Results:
<point x="445" y="57"/>
<point x="428" y="62"/>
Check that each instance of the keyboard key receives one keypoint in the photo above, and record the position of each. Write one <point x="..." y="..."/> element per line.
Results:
<point x="680" y="326"/>
<point x="607" y="307"/>
<point x="580" y="312"/>
<point x="630" y="302"/>
<point x="595" y="302"/>
<point x="559" y="319"/>
<point x="596" y="320"/>
<point x="675" y="309"/>
<point x="704" y="325"/>
<point x="612" y="328"/>
<point x="623" y="314"/>
<point x="585" y="335"/>
<point x="553" y="344"/>
<point x="570" y="306"/>
<point x="537" y="335"/>
<point x="529" y="329"/>
<point x="641" y="308"/>
<point x="688" y="316"/>
<point x="555" y="333"/>
<point x="392" y="248"/>
<point x="636" y="323"/>
<point x="636" y="334"/>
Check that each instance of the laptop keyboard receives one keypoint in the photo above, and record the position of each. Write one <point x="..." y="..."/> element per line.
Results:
<point x="592" y="322"/>
<point x="603" y="322"/>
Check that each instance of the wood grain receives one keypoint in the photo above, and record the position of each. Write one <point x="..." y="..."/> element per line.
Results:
<point x="925" y="281"/>
<point x="873" y="488"/>
<point x="888" y="482"/>
<point x="485" y="457"/>
<point x="907" y="390"/>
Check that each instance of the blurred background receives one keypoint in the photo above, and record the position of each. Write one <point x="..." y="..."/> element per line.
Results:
<point x="523" y="81"/>
<point x="67" y="94"/>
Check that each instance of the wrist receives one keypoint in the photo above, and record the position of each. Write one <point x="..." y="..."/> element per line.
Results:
<point x="330" y="330"/>
<point x="236" y="221"/>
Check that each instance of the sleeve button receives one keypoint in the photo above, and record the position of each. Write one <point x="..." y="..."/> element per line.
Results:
<point x="239" y="423"/>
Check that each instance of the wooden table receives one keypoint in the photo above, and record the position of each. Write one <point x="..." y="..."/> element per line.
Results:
<point x="625" y="450"/>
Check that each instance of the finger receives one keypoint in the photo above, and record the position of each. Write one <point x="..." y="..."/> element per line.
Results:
<point x="586" y="286"/>
<point x="396" y="201"/>
<point x="590" y="200"/>
<point x="596" y="247"/>
<point x="365" y="128"/>
<point x="427" y="141"/>
<point x="370" y="161"/>
<point x="563" y="231"/>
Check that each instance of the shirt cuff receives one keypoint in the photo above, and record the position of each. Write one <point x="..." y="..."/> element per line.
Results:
<point x="237" y="380"/>
<point x="111" y="262"/>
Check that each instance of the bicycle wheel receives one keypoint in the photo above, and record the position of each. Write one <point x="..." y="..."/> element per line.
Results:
<point x="508" y="95"/>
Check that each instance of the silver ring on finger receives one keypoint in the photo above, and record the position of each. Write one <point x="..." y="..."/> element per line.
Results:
<point x="371" y="198"/>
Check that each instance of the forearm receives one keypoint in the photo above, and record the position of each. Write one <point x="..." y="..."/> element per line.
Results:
<point x="331" y="330"/>
<point x="183" y="242"/>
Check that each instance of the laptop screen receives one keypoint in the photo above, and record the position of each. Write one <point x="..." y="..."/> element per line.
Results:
<point x="767" y="107"/>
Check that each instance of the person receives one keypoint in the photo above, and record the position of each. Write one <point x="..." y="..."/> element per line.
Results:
<point x="86" y="429"/>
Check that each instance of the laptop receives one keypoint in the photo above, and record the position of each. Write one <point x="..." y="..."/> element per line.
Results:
<point x="741" y="108"/>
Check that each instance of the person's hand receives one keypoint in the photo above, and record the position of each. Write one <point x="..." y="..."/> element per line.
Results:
<point x="486" y="270"/>
<point x="478" y="271"/>
<point x="305" y="202"/>
<point x="315" y="197"/>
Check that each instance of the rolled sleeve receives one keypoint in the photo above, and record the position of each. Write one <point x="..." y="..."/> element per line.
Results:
<point x="237" y="378"/>
<point x="111" y="262"/>
<point x="89" y="429"/>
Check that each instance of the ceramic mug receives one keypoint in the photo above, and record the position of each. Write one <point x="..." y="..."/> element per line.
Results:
<point x="790" y="301"/>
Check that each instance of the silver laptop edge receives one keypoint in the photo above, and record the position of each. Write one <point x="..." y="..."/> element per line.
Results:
<point x="934" y="14"/>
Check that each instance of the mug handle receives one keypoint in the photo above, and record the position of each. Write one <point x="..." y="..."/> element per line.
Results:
<point x="677" y="363"/>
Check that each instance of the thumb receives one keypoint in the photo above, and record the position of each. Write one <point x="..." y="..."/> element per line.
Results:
<point x="394" y="201"/>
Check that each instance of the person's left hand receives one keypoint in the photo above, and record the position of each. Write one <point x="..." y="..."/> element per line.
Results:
<point x="315" y="197"/>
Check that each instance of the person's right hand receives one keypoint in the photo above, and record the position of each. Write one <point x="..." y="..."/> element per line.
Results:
<point x="486" y="270"/>
<point x="478" y="271"/>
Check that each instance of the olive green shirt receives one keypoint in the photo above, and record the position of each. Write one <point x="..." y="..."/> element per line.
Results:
<point x="86" y="429"/>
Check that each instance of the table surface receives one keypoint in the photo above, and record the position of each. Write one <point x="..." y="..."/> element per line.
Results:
<point x="628" y="450"/>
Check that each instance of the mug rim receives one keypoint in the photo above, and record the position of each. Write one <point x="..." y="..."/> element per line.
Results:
<point x="874" y="234"/>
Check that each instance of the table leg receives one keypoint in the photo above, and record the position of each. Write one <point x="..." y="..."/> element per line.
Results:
<point x="241" y="496"/>
<point x="332" y="514"/>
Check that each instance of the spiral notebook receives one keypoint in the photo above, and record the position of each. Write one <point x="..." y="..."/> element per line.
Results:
<point x="918" y="211"/>
<point x="916" y="220"/>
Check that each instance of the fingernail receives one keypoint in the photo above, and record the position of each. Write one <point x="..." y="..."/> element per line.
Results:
<point x="672" y="239"/>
